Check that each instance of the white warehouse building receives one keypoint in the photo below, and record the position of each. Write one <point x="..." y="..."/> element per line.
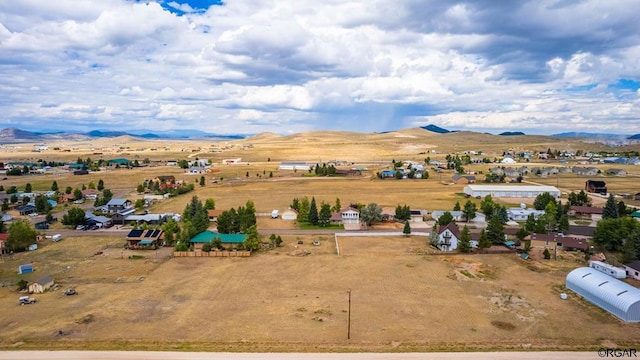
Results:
<point x="514" y="191"/>
<point x="609" y="293"/>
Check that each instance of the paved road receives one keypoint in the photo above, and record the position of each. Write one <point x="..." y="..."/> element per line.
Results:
<point x="156" y="355"/>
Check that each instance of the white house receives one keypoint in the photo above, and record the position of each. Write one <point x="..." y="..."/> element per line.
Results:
<point x="522" y="213"/>
<point x="448" y="237"/>
<point x="458" y="216"/>
<point x="350" y="216"/>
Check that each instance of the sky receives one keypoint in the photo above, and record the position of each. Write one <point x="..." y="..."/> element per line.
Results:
<point x="290" y="66"/>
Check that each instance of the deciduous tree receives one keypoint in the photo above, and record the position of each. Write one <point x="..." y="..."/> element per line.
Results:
<point x="21" y="235"/>
<point x="371" y="213"/>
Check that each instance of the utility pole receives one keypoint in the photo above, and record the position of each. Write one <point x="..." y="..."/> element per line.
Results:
<point x="349" y="318"/>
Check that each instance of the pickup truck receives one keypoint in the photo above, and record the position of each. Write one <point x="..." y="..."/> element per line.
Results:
<point x="25" y="300"/>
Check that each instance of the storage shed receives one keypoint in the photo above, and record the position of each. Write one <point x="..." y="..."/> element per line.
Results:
<point x="25" y="268"/>
<point x="41" y="285"/>
<point x="615" y="296"/>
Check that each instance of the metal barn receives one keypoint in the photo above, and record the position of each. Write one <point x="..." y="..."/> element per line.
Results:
<point x="609" y="293"/>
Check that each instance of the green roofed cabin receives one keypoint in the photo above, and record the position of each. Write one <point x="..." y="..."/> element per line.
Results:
<point x="228" y="240"/>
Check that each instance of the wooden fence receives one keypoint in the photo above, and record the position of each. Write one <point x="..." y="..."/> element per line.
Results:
<point x="211" y="254"/>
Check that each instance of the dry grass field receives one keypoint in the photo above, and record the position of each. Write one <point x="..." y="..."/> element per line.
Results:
<point x="402" y="300"/>
<point x="404" y="297"/>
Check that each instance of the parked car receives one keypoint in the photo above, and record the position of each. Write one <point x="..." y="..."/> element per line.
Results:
<point x="25" y="300"/>
<point x="80" y="227"/>
<point x="316" y="243"/>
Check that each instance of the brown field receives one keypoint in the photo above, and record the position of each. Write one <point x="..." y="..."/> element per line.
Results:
<point x="404" y="297"/>
<point x="402" y="300"/>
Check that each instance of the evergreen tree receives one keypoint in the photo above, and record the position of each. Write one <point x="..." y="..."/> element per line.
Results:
<point x="445" y="219"/>
<point x="610" y="210"/>
<point x="456" y="207"/>
<point x="303" y="209"/>
<point x="313" y="212"/>
<point x="28" y="188"/>
<point x="100" y="185"/>
<point x="622" y="209"/>
<point x="210" y="204"/>
<point x="54" y="186"/>
<point x="295" y="204"/>
<point x="469" y="211"/>
<point x="631" y="249"/>
<point x="202" y="181"/>
<point x="337" y="207"/>
<point x="324" y="218"/>
<point x="252" y="241"/>
<point x="546" y="254"/>
<point x="464" y="243"/>
<point x="407" y="228"/>
<point x="403" y="212"/>
<point x="77" y="194"/>
<point x="542" y="200"/>
<point x="495" y="230"/>
<point x="487" y="205"/>
<point x="41" y="204"/>
<point x="484" y="242"/>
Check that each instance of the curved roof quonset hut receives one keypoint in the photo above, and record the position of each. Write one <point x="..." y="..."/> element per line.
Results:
<point x="611" y="294"/>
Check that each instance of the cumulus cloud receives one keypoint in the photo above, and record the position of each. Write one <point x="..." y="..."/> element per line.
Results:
<point x="244" y="66"/>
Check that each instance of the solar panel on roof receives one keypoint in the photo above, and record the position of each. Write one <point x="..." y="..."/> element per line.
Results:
<point x="149" y="232"/>
<point x="156" y="233"/>
<point x="135" y="233"/>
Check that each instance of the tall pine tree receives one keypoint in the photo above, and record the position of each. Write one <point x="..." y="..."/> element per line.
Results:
<point x="313" y="212"/>
<point x="610" y="210"/>
<point x="464" y="243"/>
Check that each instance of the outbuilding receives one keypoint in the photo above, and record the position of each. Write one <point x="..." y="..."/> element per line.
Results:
<point x="289" y="214"/>
<point x="41" y="285"/>
<point x="616" y="272"/>
<point x="613" y="295"/>
<point x="510" y="191"/>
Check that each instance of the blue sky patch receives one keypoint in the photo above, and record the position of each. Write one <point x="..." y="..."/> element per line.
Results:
<point x="181" y="7"/>
<point x="625" y="84"/>
<point x="580" y="88"/>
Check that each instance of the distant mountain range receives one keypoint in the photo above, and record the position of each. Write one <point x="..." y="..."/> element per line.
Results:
<point x="14" y="134"/>
<point x="511" y="133"/>
<point x="9" y="134"/>
<point x="436" y="129"/>
<point x="597" y="135"/>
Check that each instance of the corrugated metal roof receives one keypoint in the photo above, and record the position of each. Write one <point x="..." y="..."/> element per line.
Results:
<point x="613" y="295"/>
